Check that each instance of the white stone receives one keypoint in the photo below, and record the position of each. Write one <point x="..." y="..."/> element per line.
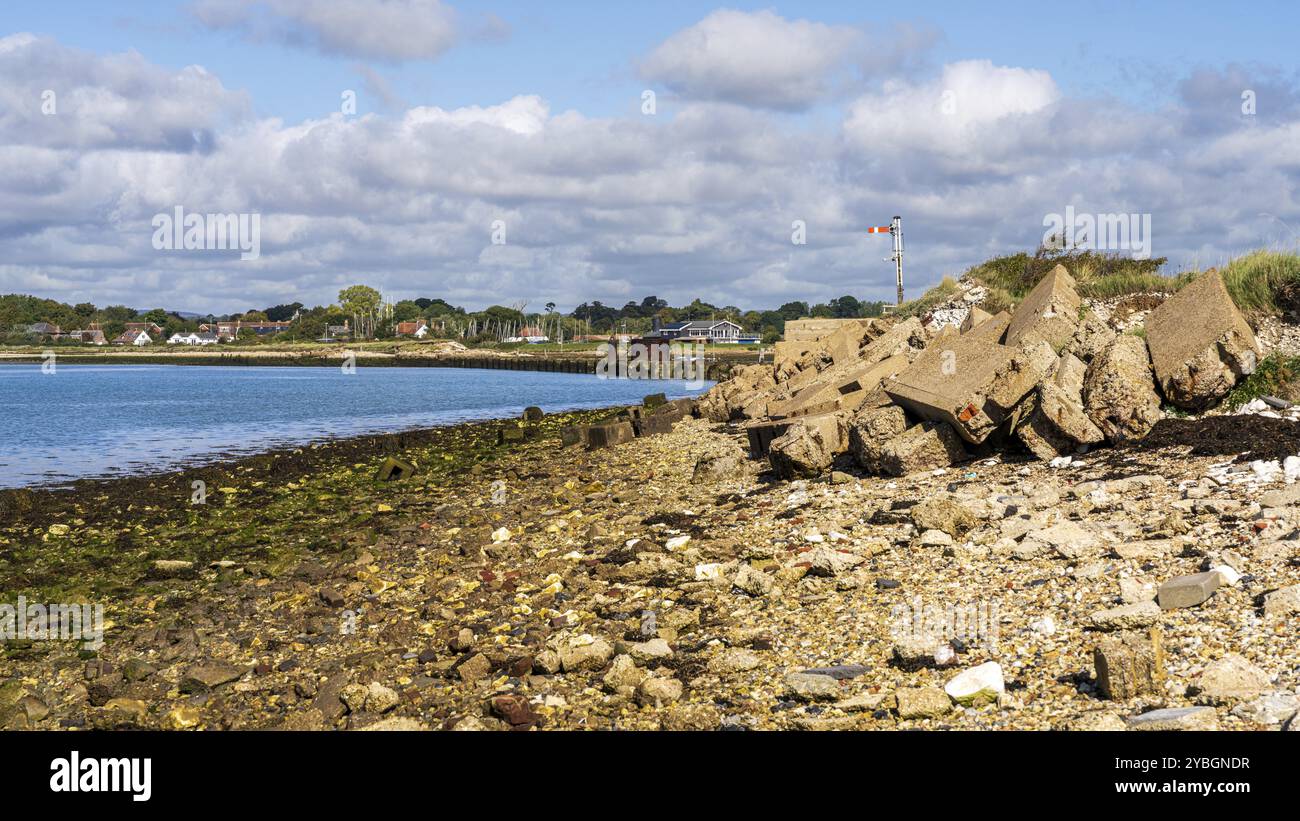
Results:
<point x="677" y="542"/>
<point x="1227" y="575"/>
<point x="977" y="685"/>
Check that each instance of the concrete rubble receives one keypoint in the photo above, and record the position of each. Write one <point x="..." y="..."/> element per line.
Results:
<point x="1051" y="377"/>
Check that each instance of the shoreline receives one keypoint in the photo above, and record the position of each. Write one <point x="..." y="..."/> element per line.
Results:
<point x="500" y="588"/>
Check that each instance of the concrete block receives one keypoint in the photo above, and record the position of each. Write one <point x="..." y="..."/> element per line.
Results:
<point x="1200" y="344"/>
<point x="1188" y="591"/>
<point x="1050" y="312"/>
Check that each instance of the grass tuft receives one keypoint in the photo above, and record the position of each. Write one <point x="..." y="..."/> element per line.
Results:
<point x="1276" y="375"/>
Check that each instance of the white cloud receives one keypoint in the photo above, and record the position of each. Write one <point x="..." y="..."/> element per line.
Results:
<point x="697" y="204"/>
<point x="391" y="30"/>
<point x="55" y="96"/>
<point x="972" y="112"/>
<point x="753" y="58"/>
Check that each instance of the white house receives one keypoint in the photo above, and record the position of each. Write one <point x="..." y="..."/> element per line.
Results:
<point x="133" y="337"/>
<point x="192" y="338"/>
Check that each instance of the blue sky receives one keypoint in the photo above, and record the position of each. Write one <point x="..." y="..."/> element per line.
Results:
<point x="1106" y="107"/>
<point x="580" y="54"/>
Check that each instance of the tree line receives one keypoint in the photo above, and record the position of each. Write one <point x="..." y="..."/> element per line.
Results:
<point x="367" y="315"/>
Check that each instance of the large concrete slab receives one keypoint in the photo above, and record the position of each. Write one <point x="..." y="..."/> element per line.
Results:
<point x="949" y="382"/>
<point x="991" y="329"/>
<point x="1200" y="343"/>
<point x="812" y="330"/>
<point x="1050" y="312"/>
<point x="841" y="388"/>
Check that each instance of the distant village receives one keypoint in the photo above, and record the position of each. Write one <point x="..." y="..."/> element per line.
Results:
<point x="363" y="314"/>
<point x="713" y="332"/>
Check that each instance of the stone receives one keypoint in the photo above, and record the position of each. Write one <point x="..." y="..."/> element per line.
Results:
<point x="1135" y="591"/>
<point x="720" y="468"/>
<point x="1188" y="591"/>
<point x="809" y="446"/>
<point x="1099" y="721"/>
<point x="922" y="703"/>
<point x="380" y="699"/>
<point x="1119" y="393"/>
<point x="1049" y="313"/>
<point x="624" y="675"/>
<point x="1055" y="422"/>
<point x="927" y="446"/>
<point x="1200" y="343"/>
<point x="977" y="686"/>
<point x="754" y="582"/>
<point x="657" y="690"/>
<point x="393" y="469"/>
<point x="395" y="724"/>
<point x="1130" y="664"/>
<point x="573" y="435"/>
<point x="532" y="413"/>
<point x="172" y="568"/>
<point x="991" y="329"/>
<point x="1069" y="540"/>
<point x="1029" y="365"/>
<point x="1177" y="718"/>
<point x="734" y="660"/>
<point x="811" y="687"/>
<point x="474" y="668"/>
<point x="827" y="561"/>
<point x="1229" y="679"/>
<point x="844" y="387"/>
<point x="1127" y="617"/>
<point x="515" y="711"/>
<point x="943" y="513"/>
<point x="1285" y="497"/>
<point x="609" y="434"/>
<point x="650" y="651"/>
<point x="912" y="650"/>
<point x="874" y="427"/>
<point x="584" y="652"/>
<point x="1275" y="708"/>
<point x="204" y="677"/>
<point x="1282" y="602"/>
<point x="949" y="382"/>
<point x="975" y="316"/>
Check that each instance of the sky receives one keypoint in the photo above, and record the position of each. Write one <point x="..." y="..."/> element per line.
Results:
<point x="507" y="152"/>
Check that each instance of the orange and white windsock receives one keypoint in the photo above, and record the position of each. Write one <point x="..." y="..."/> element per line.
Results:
<point x="878" y="229"/>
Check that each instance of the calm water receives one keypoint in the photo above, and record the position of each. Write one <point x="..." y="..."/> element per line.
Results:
<point x="100" y="421"/>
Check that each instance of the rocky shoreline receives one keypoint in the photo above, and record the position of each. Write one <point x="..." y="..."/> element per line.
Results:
<point x="668" y="583"/>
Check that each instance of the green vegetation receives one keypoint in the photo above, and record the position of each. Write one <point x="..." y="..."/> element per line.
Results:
<point x="938" y="294"/>
<point x="1276" y="375"/>
<point x="1100" y="275"/>
<point x="1264" y="282"/>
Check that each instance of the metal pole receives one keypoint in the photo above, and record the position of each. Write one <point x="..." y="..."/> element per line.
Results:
<point x="896" y="228"/>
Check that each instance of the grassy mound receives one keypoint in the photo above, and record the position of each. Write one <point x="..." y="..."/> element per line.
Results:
<point x="1262" y="282"/>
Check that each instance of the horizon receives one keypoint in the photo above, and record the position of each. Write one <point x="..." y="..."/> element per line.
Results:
<point x="496" y="152"/>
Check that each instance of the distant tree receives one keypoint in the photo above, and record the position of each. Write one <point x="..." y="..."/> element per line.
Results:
<point x="282" y="313"/>
<point x="793" y="310"/>
<point x="406" y="310"/>
<point x="846" y="307"/>
<point x="363" y="303"/>
<point x="254" y="316"/>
